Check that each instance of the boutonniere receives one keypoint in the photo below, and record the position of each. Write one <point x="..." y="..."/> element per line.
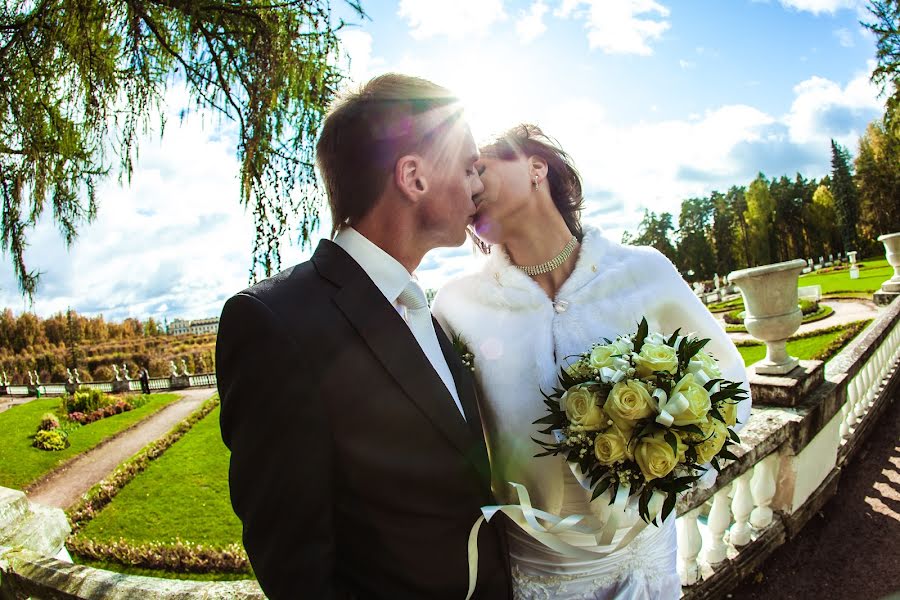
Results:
<point x="465" y="355"/>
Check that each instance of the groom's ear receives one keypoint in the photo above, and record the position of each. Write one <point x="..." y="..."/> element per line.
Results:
<point x="409" y="176"/>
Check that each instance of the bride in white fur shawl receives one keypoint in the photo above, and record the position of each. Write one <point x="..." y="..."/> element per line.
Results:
<point x="548" y="290"/>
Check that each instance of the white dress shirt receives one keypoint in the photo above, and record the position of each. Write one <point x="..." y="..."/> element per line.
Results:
<point x="390" y="277"/>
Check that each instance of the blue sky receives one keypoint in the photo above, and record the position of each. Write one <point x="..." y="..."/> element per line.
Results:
<point x="656" y="101"/>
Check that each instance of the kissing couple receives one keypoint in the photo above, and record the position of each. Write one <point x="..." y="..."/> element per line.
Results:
<point x="362" y="447"/>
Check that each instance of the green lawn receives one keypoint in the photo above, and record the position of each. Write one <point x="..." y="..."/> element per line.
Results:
<point x="21" y="464"/>
<point x="129" y="570"/>
<point x="871" y="276"/>
<point x="181" y="495"/>
<point x="821" y="346"/>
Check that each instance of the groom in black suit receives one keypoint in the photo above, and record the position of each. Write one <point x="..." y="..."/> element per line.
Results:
<point x="358" y="463"/>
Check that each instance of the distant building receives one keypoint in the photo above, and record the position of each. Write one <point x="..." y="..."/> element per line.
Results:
<point x="183" y="326"/>
<point x="210" y="325"/>
<point x="179" y="327"/>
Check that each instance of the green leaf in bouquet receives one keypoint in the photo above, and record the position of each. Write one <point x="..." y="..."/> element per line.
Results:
<point x="668" y="506"/>
<point x="714" y="411"/>
<point x="734" y="436"/>
<point x="644" y="503"/>
<point x="723" y="453"/>
<point x="672" y="440"/>
<point x="688" y="429"/>
<point x="613" y="490"/>
<point x="691" y="453"/>
<point x="673" y="337"/>
<point x="601" y="487"/>
<point x="709" y="384"/>
<point x="641" y="335"/>
<point x="551" y="419"/>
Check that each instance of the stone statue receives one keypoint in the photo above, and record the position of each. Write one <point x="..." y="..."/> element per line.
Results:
<point x="173" y="368"/>
<point x="69" y="377"/>
<point x="116" y="375"/>
<point x="30" y="378"/>
<point x="698" y="287"/>
<point x="5" y="379"/>
<point x="125" y="372"/>
<point x="716" y="281"/>
<point x="37" y="378"/>
<point x="76" y="375"/>
<point x="184" y="370"/>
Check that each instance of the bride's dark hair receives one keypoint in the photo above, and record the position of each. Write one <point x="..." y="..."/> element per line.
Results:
<point x="527" y="140"/>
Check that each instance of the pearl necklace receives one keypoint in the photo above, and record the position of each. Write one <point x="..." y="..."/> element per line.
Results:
<point x="553" y="263"/>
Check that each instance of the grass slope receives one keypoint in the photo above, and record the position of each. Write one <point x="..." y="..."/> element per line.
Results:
<point x="181" y="495"/>
<point x="21" y="464"/>
<point x="871" y="276"/>
<point x="805" y="348"/>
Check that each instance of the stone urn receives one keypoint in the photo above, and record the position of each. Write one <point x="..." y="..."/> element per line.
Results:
<point x="771" y="310"/>
<point x="891" y="243"/>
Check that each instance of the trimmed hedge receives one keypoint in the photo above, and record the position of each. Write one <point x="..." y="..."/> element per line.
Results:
<point x="180" y="556"/>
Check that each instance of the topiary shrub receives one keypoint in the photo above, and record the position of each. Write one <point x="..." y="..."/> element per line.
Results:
<point x="49" y="422"/>
<point x="734" y="317"/>
<point x="51" y="440"/>
<point x="808" y="307"/>
<point x="85" y="400"/>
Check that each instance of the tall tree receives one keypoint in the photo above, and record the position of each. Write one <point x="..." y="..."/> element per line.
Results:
<point x="760" y="217"/>
<point x="736" y="198"/>
<point x="845" y="197"/>
<point x="878" y="182"/>
<point x="821" y="222"/>
<point x="80" y="80"/>
<point x="723" y="233"/>
<point x="695" y="255"/>
<point x="654" y="231"/>
<point x="885" y="24"/>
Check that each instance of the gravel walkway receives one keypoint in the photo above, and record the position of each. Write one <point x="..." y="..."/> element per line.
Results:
<point x="7" y="402"/>
<point x="851" y="549"/>
<point x="65" y="486"/>
<point x="845" y="311"/>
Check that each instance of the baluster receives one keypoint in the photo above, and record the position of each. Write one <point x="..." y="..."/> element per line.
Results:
<point x="853" y="388"/>
<point x="690" y="543"/>
<point x="762" y="485"/>
<point x="865" y="383"/>
<point x="718" y="522"/>
<point x="741" y="507"/>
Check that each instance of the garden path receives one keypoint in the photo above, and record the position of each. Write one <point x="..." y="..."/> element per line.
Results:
<point x="845" y="311"/>
<point x="64" y="487"/>
<point x="7" y="402"/>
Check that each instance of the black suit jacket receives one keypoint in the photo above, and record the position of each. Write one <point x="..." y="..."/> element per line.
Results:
<point x="352" y="470"/>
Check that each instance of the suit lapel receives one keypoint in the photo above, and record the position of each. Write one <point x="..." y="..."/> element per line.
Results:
<point x="394" y="345"/>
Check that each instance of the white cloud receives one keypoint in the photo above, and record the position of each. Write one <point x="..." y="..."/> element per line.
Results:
<point x="822" y="110"/>
<point x="530" y="24"/>
<point x="686" y="64"/>
<point x="358" y="60"/>
<point x="844" y="37"/>
<point x="455" y="20"/>
<point x="823" y="6"/>
<point x="621" y="26"/>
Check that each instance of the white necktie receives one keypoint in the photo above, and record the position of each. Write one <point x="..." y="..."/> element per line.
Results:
<point x="418" y="316"/>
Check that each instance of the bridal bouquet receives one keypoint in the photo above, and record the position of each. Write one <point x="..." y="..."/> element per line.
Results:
<point x="642" y="414"/>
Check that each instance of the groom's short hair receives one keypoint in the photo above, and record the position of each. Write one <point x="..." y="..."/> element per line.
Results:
<point x="368" y="129"/>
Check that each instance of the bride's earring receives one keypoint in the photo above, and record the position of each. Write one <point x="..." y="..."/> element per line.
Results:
<point x="535" y="183"/>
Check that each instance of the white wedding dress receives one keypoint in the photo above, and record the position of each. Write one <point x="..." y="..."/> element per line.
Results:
<point x="520" y="338"/>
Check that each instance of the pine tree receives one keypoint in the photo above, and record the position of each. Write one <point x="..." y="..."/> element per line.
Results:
<point x="846" y="199"/>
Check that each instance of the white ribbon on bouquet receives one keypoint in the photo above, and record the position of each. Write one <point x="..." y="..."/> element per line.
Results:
<point x="553" y="527"/>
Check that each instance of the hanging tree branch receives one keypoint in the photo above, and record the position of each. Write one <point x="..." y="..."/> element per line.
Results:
<point x="81" y="79"/>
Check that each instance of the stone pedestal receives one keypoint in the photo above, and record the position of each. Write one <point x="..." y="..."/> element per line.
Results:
<point x="120" y="386"/>
<point x="883" y="298"/>
<point x="179" y="382"/>
<point x="788" y="389"/>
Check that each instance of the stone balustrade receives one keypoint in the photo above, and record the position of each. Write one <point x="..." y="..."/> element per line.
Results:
<point x="789" y="463"/>
<point x="157" y="384"/>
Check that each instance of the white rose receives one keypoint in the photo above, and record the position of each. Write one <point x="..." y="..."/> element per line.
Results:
<point x="581" y="408"/>
<point x="656" y="357"/>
